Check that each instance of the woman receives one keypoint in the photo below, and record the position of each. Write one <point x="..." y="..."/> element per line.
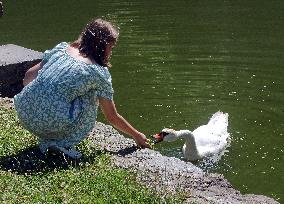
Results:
<point x="62" y="93"/>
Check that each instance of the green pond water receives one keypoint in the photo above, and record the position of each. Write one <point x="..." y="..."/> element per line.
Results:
<point x="178" y="62"/>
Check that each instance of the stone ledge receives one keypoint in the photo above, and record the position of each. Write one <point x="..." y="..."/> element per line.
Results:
<point x="15" y="61"/>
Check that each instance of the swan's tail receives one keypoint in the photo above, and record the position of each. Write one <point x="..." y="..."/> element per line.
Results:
<point x="219" y="123"/>
<point x="219" y="117"/>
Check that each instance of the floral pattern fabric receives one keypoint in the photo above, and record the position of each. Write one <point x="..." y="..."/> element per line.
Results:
<point x="60" y="105"/>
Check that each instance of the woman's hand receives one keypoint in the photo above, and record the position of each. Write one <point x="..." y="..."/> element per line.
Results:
<point x="142" y="141"/>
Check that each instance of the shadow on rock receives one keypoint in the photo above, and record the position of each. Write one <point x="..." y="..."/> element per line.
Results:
<point x="31" y="161"/>
<point x="126" y="151"/>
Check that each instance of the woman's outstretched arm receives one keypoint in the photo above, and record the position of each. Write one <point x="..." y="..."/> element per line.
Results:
<point x="111" y="114"/>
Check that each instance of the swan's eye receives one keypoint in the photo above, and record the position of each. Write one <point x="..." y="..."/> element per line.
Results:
<point x="163" y="134"/>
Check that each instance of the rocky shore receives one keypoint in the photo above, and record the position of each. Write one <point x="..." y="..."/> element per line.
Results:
<point x="161" y="173"/>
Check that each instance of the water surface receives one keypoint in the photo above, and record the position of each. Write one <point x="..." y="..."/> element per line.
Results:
<point x="178" y="62"/>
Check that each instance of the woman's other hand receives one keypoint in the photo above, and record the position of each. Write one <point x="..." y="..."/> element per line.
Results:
<point x="31" y="74"/>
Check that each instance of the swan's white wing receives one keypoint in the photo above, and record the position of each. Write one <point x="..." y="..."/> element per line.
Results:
<point x="204" y="135"/>
<point x="209" y="139"/>
<point x="213" y="136"/>
<point x="218" y="123"/>
<point x="209" y="150"/>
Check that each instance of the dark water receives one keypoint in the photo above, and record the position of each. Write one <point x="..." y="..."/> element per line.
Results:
<point x="178" y="62"/>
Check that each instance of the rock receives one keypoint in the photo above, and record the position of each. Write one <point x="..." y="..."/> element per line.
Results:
<point x="14" y="63"/>
<point x="168" y="174"/>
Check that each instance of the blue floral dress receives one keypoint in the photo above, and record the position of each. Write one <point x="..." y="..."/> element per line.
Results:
<point x="60" y="105"/>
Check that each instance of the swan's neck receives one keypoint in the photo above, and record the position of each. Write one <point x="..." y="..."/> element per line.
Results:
<point x="190" y="144"/>
<point x="183" y="134"/>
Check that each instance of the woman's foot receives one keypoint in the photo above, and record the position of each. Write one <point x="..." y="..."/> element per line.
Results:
<point x="70" y="152"/>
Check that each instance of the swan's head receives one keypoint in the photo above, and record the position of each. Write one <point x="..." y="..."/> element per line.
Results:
<point x="168" y="135"/>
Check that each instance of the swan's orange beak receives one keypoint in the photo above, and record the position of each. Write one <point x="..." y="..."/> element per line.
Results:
<point x="158" y="138"/>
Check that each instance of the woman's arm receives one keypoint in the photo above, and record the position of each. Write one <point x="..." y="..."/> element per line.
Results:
<point x="31" y="74"/>
<point x="111" y="114"/>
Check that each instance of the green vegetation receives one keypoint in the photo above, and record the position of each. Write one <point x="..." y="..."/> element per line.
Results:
<point x="27" y="176"/>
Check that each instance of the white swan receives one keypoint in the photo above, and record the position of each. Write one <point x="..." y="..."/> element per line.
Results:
<point x="204" y="141"/>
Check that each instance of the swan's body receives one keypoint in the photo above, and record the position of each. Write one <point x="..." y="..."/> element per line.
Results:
<point x="205" y="140"/>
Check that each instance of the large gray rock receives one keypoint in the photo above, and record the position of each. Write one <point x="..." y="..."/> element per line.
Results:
<point x="14" y="63"/>
<point x="169" y="174"/>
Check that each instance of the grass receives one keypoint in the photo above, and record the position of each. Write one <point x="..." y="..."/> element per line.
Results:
<point x="27" y="176"/>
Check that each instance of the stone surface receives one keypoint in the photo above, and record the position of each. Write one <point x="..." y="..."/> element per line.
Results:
<point x="14" y="63"/>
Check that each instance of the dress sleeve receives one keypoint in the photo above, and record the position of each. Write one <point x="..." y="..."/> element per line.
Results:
<point x="48" y="53"/>
<point x="105" y="94"/>
<point x="104" y="83"/>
